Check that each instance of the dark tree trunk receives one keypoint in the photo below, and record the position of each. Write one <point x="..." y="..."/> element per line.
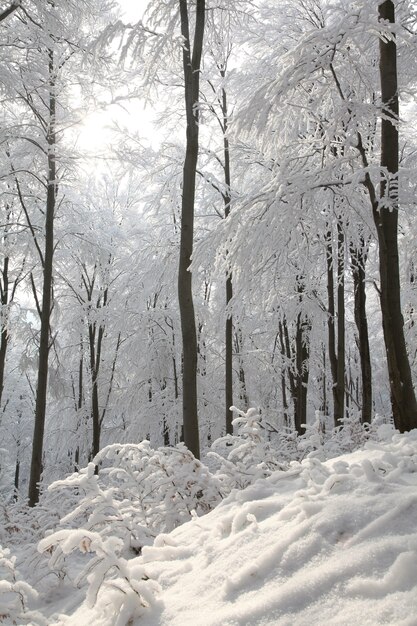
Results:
<point x="403" y="400"/>
<point x="229" y="285"/>
<point x="16" y="479"/>
<point x="243" y="392"/>
<point x="302" y="354"/>
<point x="341" y="369"/>
<point x="358" y="257"/>
<point x="4" y="338"/>
<point x="283" y="376"/>
<point x="336" y="358"/>
<point x="191" y="68"/>
<point x="323" y="379"/>
<point x="79" y="404"/>
<point x="40" y="409"/>
<point x="95" y="360"/>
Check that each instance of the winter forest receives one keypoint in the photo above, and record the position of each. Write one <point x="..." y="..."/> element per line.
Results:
<point x="208" y="279"/>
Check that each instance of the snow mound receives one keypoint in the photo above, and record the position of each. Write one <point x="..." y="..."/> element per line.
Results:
<point x="332" y="542"/>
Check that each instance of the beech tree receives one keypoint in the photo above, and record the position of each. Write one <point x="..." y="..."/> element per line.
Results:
<point x="385" y="213"/>
<point x="48" y="39"/>
<point x="191" y="67"/>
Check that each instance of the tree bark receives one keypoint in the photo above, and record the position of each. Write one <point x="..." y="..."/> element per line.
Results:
<point x="302" y="354"/>
<point x="331" y="316"/>
<point x="229" y="285"/>
<point x="385" y="213"/>
<point x="358" y="258"/>
<point x="341" y="369"/>
<point x="40" y="409"/>
<point x="4" y="338"/>
<point x="191" y="68"/>
<point x="284" y="368"/>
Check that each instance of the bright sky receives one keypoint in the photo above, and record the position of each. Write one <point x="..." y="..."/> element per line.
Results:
<point x="96" y="131"/>
<point x="133" y="9"/>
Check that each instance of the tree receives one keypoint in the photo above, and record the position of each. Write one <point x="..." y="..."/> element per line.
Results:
<point x="51" y="37"/>
<point x="47" y="266"/>
<point x="385" y="213"/>
<point x="11" y="275"/>
<point x="191" y="68"/>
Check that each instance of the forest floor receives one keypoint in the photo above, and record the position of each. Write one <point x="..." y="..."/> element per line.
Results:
<point x="330" y="542"/>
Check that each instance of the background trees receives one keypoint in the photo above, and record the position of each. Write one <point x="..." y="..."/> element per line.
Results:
<point x="291" y="200"/>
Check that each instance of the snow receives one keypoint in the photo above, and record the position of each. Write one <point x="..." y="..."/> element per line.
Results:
<point x="330" y="542"/>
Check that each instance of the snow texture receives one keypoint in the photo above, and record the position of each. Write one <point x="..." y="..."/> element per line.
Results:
<point x="330" y="542"/>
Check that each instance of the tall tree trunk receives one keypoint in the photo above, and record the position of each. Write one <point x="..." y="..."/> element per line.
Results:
<point x="191" y="68"/>
<point x="284" y="369"/>
<point x="243" y="392"/>
<point x="79" y="404"/>
<point x="358" y="258"/>
<point x="403" y="399"/>
<point x="95" y="359"/>
<point x="340" y="385"/>
<point x="229" y="285"/>
<point x="40" y="409"/>
<point x="302" y="354"/>
<point x="4" y="337"/>
<point x="336" y="355"/>
<point x="323" y="379"/>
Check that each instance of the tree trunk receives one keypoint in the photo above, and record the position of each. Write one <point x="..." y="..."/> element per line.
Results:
<point x="403" y="400"/>
<point x="191" y="68"/>
<point x="323" y="379"/>
<point x="229" y="285"/>
<point x="302" y="354"/>
<point x="358" y="257"/>
<point x="340" y="385"/>
<point x="284" y="368"/>
<point x="95" y="358"/>
<point x="331" y="316"/>
<point x="4" y="338"/>
<point x="40" y="409"/>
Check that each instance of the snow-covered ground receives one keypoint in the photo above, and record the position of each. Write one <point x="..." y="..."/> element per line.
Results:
<point x="322" y="543"/>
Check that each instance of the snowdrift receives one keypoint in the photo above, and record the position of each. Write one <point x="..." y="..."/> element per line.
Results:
<point x="322" y="543"/>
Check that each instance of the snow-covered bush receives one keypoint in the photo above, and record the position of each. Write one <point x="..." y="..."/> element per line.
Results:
<point x="15" y="594"/>
<point x="21" y="528"/>
<point x="257" y="449"/>
<point x="137" y="493"/>
<point x="350" y="436"/>
<point x="140" y="492"/>
<point x="248" y="455"/>
<point x="126" y="588"/>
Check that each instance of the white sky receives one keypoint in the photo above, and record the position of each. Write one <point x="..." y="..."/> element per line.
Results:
<point x="133" y="9"/>
<point x="96" y="130"/>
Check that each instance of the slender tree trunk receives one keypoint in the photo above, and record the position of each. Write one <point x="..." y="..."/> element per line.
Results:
<point x="302" y="354"/>
<point x="323" y="379"/>
<point x="331" y="315"/>
<point x="289" y="354"/>
<point x="283" y="377"/>
<point x="4" y="337"/>
<point x="403" y="399"/>
<point x="79" y="404"/>
<point x="243" y="392"/>
<point x="95" y="359"/>
<point x="358" y="257"/>
<point x="40" y="409"/>
<point x="16" y="478"/>
<point x="229" y="285"/>
<point x="340" y="385"/>
<point x="336" y="356"/>
<point x="191" y="67"/>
